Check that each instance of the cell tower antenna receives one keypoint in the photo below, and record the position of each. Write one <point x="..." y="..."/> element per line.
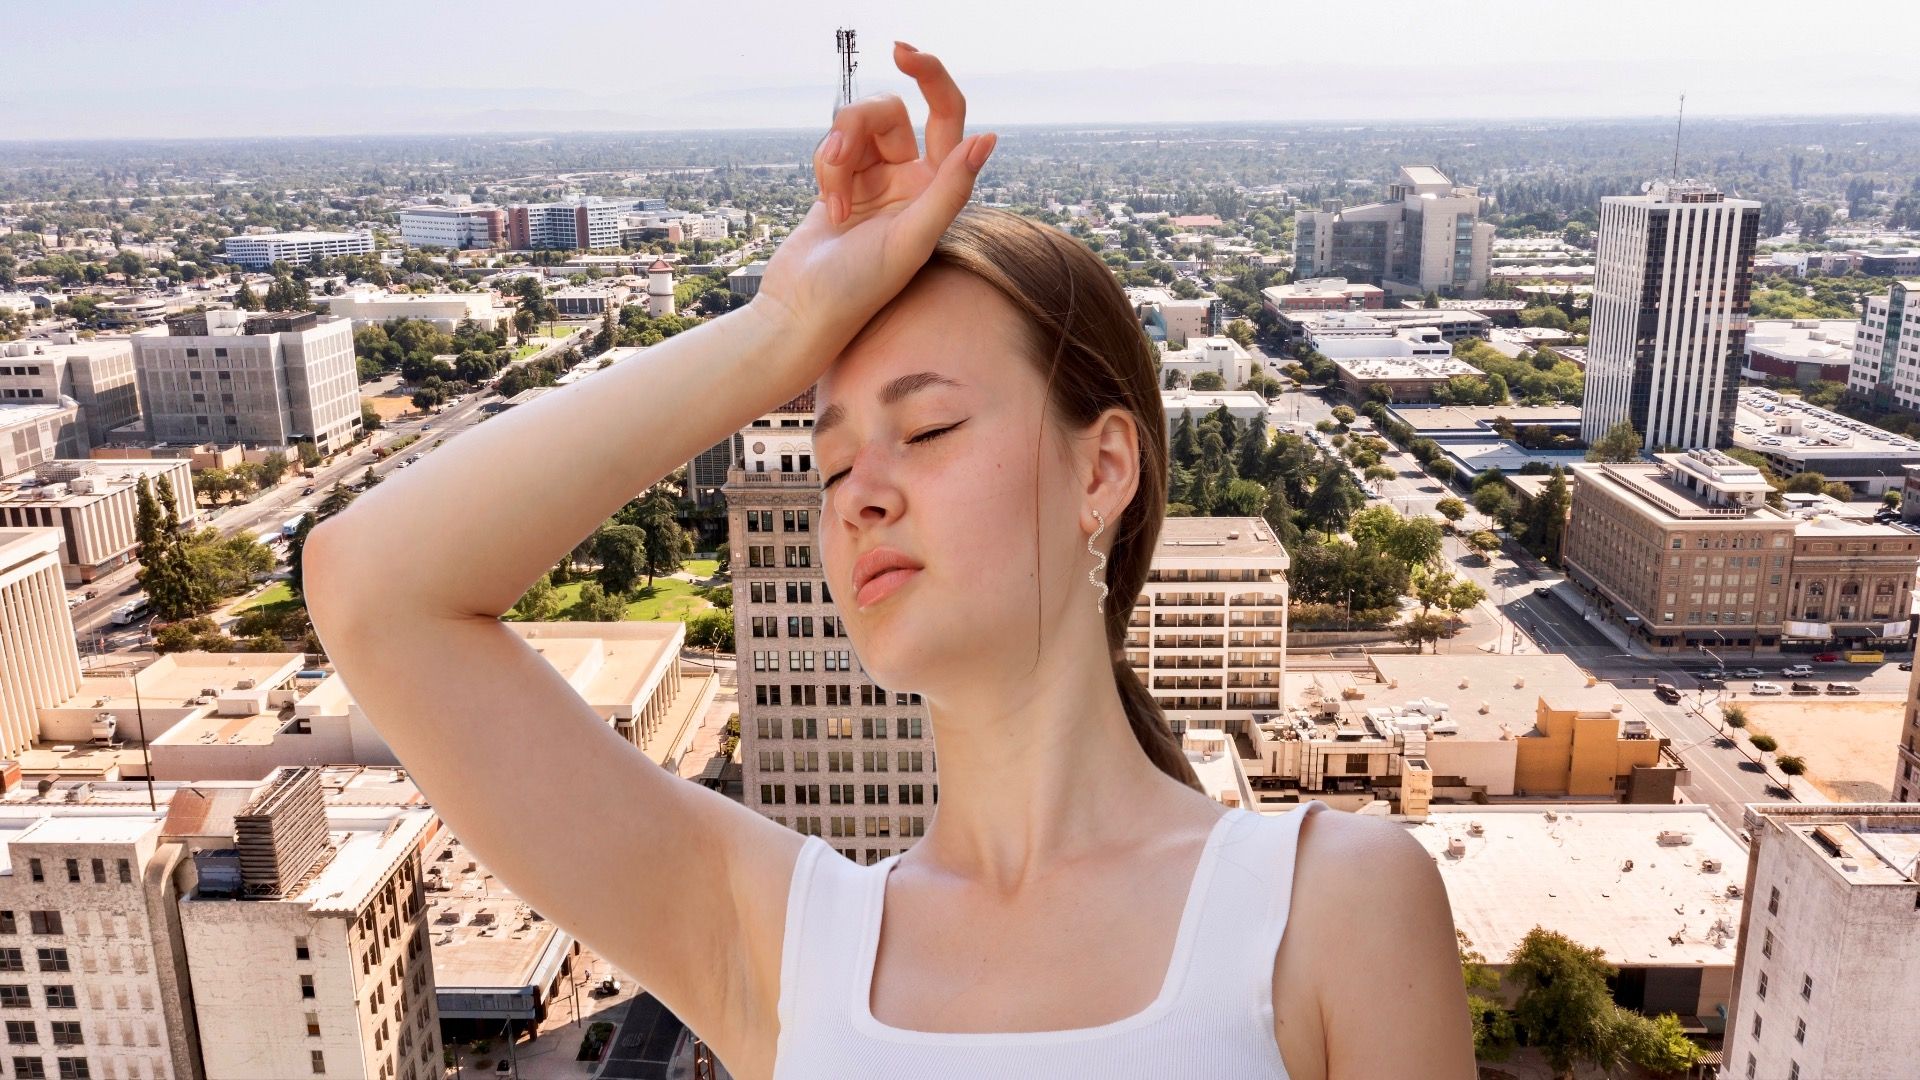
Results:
<point x="843" y="43"/>
<point x="1676" y="134"/>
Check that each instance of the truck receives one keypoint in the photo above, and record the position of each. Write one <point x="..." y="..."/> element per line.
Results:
<point x="291" y="526"/>
<point x="1866" y="656"/>
<point x="130" y="612"/>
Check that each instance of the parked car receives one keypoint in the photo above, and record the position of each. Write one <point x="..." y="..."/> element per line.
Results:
<point x="1842" y="688"/>
<point x="504" y="1068"/>
<point x="1667" y="692"/>
<point x="1796" y="671"/>
<point x="308" y="490"/>
<point x="1906" y="665"/>
<point x="1766" y="689"/>
<point x="1750" y="673"/>
<point x="1827" y="658"/>
<point x="606" y="987"/>
<point x="1710" y="682"/>
<point x="1805" y="688"/>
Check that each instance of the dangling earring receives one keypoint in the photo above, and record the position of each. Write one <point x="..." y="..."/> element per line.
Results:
<point x="1095" y="575"/>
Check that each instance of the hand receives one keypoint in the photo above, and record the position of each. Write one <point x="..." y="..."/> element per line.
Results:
<point x="881" y="209"/>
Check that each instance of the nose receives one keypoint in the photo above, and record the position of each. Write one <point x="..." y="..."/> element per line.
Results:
<point x="866" y="495"/>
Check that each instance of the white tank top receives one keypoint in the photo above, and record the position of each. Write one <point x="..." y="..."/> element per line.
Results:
<point x="1213" y="1017"/>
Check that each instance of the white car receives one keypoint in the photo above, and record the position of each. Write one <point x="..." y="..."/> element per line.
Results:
<point x="1797" y="671"/>
<point x="1766" y="689"/>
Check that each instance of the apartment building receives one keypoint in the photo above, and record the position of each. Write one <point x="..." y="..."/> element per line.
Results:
<point x="1685" y="551"/>
<point x="1829" y="964"/>
<point x="1886" y="348"/>
<point x="1669" y="322"/>
<point x="306" y="933"/>
<point x="453" y="227"/>
<point x="578" y="224"/>
<point x="262" y="250"/>
<point x="94" y="503"/>
<point x="39" y="665"/>
<point x="1425" y="237"/>
<point x="231" y="376"/>
<point x="98" y="374"/>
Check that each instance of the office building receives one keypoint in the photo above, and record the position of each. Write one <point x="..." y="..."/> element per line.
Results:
<point x="745" y="281"/>
<point x="39" y="666"/>
<point x="1220" y="356"/>
<point x="305" y="934"/>
<point x="587" y="301"/>
<point x="33" y="432"/>
<point x="1323" y="294"/>
<point x="1685" y="551"/>
<point x="1426" y="237"/>
<point x="1317" y="326"/>
<point x="1658" y="889"/>
<point x="260" y="251"/>
<point x="1669" y="320"/>
<point x="1170" y="319"/>
<point x="453" y="227"/>
<point x="1829" y="964"/>
<point x="1243" y="405"/>
<point x="1886" y="348"/>
<point x="271" y="379"/>
<point x="94" y="504"/>
<point x="98" y="374"/>
<point x="579" y="224"/>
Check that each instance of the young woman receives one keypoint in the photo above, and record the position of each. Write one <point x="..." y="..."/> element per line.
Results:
<point x="994" y="458"/>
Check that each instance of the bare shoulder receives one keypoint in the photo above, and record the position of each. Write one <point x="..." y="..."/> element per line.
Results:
<point x="1371" y="933"/>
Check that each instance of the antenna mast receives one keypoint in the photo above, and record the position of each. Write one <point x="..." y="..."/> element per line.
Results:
<point x="1676" y="135"/>
<point x="843" y="43"/>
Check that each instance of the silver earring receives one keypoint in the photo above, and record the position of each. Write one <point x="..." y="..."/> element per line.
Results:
<point x="1094" y="576"/>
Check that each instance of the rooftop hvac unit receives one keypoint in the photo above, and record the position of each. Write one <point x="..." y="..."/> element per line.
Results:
<point x="1474" y="828"/>
<point x="1674" y="838"/>
<point x="1709" y="866"/>
<point x="1456" y="847"/>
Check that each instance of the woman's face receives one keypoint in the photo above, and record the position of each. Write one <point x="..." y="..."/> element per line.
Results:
<point x="931" y="440"/>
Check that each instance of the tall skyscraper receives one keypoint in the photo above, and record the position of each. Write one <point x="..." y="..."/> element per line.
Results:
<point x="1669" y="324"/>
<point x="1889" y="333"/>
<point x="1426" y="237"/>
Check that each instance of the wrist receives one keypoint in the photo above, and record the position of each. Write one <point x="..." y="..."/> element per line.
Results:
<point x="790" y="351"/>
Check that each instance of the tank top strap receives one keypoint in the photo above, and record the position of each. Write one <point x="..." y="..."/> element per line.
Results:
<point x="825" y="904"/>
<point x="1245" y="912"/>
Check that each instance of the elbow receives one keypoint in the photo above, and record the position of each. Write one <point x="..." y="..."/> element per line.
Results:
<point x="327" y="579"/>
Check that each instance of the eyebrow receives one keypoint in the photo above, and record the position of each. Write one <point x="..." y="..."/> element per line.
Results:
<point x="889" y="394"/>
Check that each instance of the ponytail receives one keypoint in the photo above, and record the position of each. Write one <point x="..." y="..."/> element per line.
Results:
<point x="1149" y="724"/>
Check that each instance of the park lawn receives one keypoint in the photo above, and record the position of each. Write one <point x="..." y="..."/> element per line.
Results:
<point x="670" y="600"/>
<point x="525" y="351"/>
<point x="281" y="594"/>
<point x="701" y="568"/>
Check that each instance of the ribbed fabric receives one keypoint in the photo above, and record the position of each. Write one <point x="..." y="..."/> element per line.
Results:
<point x="1213" y="1016"/>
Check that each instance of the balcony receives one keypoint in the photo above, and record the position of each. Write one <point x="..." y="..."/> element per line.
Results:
<point x="810" y="478"/>
<point x="1189" y="621"/>
<point x="1190" y="600"/>
<point x="1188" y="641"/>
<point x="1186" y="682"/>
<point x="1274" y="619"/>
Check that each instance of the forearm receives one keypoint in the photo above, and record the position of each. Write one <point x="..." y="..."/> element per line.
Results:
<point x="466" y="530"/>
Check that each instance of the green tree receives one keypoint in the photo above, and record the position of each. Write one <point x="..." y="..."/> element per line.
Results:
<point x="1493" y="1033"/>
<point x="1766" y="744"/>
<point x="711" y="630"/>
<point x="1451" y="508"/>
<point x="1621" y="443"/>
<point x="540" y="603"/>
<point x="667" y="542"/>
<point x="1416" y="541"/>
<point x="245" y="299"/>
<point x="1496" y="502"/>
<point x="1547" y="516"/>
<point x="598" y="605"/>
<point x="621" y="551"/>
<point x="1564" y="1007"/>
<point x="1422" y="628"/>
<point x="1335" y="498"/>
<point x="163" y="570"/>
<point x="1483" y="542"/>
<point x="1207" y="380"/>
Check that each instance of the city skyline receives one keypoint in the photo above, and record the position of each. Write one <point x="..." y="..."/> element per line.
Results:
<point x="325" y="79"/>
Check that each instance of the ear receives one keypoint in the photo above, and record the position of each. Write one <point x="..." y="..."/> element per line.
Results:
<point x="1109" y="465"/>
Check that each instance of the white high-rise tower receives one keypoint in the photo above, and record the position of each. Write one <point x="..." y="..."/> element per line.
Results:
<point x="1669" y="321"/>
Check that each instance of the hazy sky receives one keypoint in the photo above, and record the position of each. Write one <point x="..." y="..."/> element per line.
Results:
<point x="208" y="68"/>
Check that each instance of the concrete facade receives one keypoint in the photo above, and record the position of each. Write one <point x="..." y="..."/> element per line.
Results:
<point x="39" y="665"/>
<point x="96" y="373"/>
<point x="272" y="379"/>
<point x="94" y="503"/>
<point x="1886" y="348"/>
<point x="263" y="250"/>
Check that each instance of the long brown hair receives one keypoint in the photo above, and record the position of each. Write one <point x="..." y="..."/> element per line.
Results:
<point x="1088" y="343"/>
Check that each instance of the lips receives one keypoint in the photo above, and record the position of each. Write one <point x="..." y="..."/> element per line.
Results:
<point x="879" y="572"/>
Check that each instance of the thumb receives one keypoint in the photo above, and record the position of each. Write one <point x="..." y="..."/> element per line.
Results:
<point x="929" y="214"/>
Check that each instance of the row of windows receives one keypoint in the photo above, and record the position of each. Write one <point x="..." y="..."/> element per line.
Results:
<point x="14" y="996"/>
<point x="844" y="795"/>
<point x="836" y="694"/>
<point x="842" y="761"/>
<point x="123" y="870"/>
<point x="798" y="592"/>
<point x="798" y="660"/>
<point x="29" y="393"/>
<point x="31" y="369"/>
<point x="761" y="521"/>
<point x="49" y="960"/>
<point x="843" y="827"/>
<point x="798" y="556"/>
<point x="768" y="626"/>
<point x="27" y="1032"/>
<point x="38" y="922"/>
<point x="839" y="727"/>
<point x="34" y="1068"/>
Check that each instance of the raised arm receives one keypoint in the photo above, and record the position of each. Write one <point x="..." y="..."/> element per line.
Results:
<point x="677" y="885"/>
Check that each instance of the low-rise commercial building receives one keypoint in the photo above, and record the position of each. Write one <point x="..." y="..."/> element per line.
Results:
<point x="262" y="250"/>
<point x="446" y="311"/>
<point x="1795" y="437"/>
<point x="1319" y="326"/>
<point x="1803" y="350"/>
<point x="583" y="301"/>
<point x="1829" y="964"/>
<point x="1170" y="319"/>
<point x="1222" y="356"/>
<point x="1661" y="890"/>
<point x="453" y="227"/>
<point x="39" y="663"/>
<point x="40" y="431"/>
<point x="94" y="504"/>
<point x="745" y="281"/>
<point x="1686" y="551"/>
<point x="1323" y="294"/>
<point x="1398" y="378"/>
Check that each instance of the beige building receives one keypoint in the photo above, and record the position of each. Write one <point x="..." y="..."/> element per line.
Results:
<point x="306" y="933"/>
<point x="97" y="373"/>
<point x="271" y="379"/>
<point x="1685" y="551"/>
<point x="94" y="503"/>
<point x="1659" y="889"/>
<point x="39" y="663"/>
<point x="33" y="432"/>
<point x="1906" y="767"/>
<point x="1829" y="963"/>
<point x="445" y="311"/>
<point x="1419" y="730"/>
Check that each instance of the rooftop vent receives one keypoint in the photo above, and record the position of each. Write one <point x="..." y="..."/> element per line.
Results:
<point x="282" y="832"/>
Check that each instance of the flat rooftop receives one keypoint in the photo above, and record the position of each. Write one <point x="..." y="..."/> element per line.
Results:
<point x="1446" y="420"/>
<point x="368" y="842"/>
<point x="1888" y="855"/>
<point x="1217" y="538"/>
<point x="19" y="545"/>
<point x="1788" y="428"/>
<point x="1568" y="870"/>
<point x="1827" y="341"/>
<point x="284" y="237"/>
<point x="483" y="935"/>
<point x="1488" y="698"/>
<point x="15" y="413"/>
<point x="176" y="680"/>
<point x="1370" y="368"/>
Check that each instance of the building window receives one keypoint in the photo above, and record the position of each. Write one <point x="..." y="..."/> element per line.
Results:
<point x="300" y="951"/>
<point x="73" y="870"/>
<point x="66" y="1033"/>
<point x="72" y="1068"/>
<point x="306" y="986"/>
<point x="15" y="997"/>
<point x="30" y="1068"/>
<point x="1800" y="1030"/>
<point x="313" y="1025"/>
<point x="22" y="1033"/>
<point x="54" y="960"/>
<point x="7" y="925"/>
<point x="1756" y="1025"/>
<point x="44" y="922"/>
<point x="126" y="871"/>
<point x="1773" y="900"/>
<point x="61" y="997"/>
<point x="35" y="870"/>
<point x="12" y="960"/>
<point x="1766" y="945"/>
<point x="1806" y="988"/>
<point x="1763" y="986"/>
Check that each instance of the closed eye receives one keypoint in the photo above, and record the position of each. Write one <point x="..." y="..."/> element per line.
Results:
<point x="925" y="436"/>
